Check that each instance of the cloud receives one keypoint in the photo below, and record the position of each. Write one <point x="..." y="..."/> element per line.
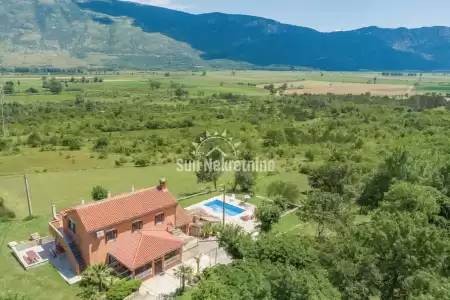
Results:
<point x="162" y="3"/>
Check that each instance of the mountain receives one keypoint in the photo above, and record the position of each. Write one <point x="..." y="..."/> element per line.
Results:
<point x="113" y="33"/>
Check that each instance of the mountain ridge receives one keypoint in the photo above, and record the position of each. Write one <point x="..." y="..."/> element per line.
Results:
<point x="122" y="34"/>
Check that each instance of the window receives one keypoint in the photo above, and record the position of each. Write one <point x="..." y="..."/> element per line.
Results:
<point x="159" y="218"/>
<point x="72" y="226"/>
<point x="171" y="255"/>
<point x="136" y="225"/>
<point x="111" y="234"/>
<point x="111" y="260"/>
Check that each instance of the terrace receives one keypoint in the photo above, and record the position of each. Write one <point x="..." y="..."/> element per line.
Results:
<point x="38" y="252"/>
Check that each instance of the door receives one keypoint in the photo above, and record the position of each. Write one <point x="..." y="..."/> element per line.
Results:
<point x="158" y="266"/>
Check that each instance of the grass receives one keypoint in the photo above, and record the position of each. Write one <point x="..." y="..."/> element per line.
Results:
<point x="39" y="282"/>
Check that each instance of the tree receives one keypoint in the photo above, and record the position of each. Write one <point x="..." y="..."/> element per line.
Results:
<point x="98" y="277"/>
<point x="396" y="166"/>
<point x="288" y="283"/>
<point x="153" y="86"/>
<point x="283" y="192"/>
<point x="34" y="139"/>
<point x="183" y="272"/>
<point x="55" y="86"/>
<point x="441" y="179"/>
<point x="330" y="177"/>
<point x="208" y="173"/>
<point x="385" y="255"/>
<point x="8" y="89"/>
<point x="373" y="192"/>
<point x="101" y="143"/>
<point x="282" y="88"/>
<point x="267" y="214"/>
<point x="325" y="209"/>
<point x="408" y="197"/>
<point x="142" y="162"/>
<point x="274" y="138"/>
<point x="180" y="92"/>
<point x="99" y="193"/>
<point x="122" y="289"/>
<point x="246" y="179"/>
<point x="236" y="242"/>
<point x="271" y="88"/>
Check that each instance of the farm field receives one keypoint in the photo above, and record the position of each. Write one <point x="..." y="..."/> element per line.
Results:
<point x="135" y="84"/>
<point x="342" y="88"/>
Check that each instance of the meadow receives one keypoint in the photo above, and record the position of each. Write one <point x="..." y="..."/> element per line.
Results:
<point x="96" y="133"/>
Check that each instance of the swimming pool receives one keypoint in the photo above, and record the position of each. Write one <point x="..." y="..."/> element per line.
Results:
<point x="217" y="206"/>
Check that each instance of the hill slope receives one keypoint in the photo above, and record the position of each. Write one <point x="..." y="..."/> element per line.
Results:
<point x="125" y="34"/>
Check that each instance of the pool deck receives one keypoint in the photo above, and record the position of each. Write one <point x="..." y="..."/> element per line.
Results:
<point x="249" y="209"/>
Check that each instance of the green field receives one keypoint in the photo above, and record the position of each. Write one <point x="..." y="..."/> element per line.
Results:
<point x="132" y="88"/>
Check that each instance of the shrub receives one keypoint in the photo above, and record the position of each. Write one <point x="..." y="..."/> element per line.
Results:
<point x="309" y="155"/>
<point x="32" y="90"/>
<point x="141" y="162"/>
<point x="34" y="139"/>
<point x="5" y="213"/>
<point x="122" y="289"/>
<point x="101" y="143"/>
<point x="8" y="89"/>
<point x="55" y="86"/>
<point x="99" y="193"/>
<point x="103" y="155"/>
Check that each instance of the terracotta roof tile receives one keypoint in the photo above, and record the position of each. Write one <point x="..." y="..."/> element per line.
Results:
<point x="102" y="214"/>
<point x="141" y="247"/>
<point x="182" y="218"/>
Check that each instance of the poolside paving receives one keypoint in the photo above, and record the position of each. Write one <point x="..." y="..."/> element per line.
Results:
<point x="249" y="209"/>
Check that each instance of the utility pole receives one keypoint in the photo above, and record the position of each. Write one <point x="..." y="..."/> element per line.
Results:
<point x="223" y="203"/>
<point x="2" y="97"/>
<point x="30" y="212"/>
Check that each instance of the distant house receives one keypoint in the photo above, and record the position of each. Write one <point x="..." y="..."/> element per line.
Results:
<point x="130" y="232"/>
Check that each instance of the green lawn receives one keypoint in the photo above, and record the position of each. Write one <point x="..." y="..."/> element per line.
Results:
<point x="42" y="282"/>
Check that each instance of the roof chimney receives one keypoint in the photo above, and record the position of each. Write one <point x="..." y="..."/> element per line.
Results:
<point x="162" y="184"/>
<point x="109" y="194"/>
<point x="55" y="217"/>
<point x="82" y="201"/>
<point x="132" y="188"/>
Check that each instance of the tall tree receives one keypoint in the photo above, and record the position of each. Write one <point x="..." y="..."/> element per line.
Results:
<point x="331" y="177"/>
<point x="283" y="193"/>
<point x="183" y="273"/>
<point x="267" y="214"/>
<point x="97" y="276"/>
<point x="326" y="210"/>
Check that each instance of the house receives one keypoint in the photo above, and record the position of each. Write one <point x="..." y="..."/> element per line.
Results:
<point x="130" y="232"/>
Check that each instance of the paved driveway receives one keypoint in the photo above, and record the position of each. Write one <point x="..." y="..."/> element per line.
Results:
<point x="210" y="255"/>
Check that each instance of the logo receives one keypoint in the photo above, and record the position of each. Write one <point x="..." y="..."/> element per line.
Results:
<point x="218" y="152"/>
<point x="211" y="144"/>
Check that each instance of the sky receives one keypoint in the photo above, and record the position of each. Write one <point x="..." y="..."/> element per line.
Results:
<point x="326" y="15"/>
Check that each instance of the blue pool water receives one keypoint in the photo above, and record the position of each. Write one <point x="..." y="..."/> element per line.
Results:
<point x="230" y="210"/>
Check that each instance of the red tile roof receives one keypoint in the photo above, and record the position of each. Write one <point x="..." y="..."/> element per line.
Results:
<point x="141" y="247"/>
<point x="182" y="218"/>
<point x="102" y="214"/>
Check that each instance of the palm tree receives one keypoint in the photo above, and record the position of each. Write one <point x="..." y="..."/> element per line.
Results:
<point x="197" y="258"/>
<point x="183" y="272"/>
<point x="97" y="276"/>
